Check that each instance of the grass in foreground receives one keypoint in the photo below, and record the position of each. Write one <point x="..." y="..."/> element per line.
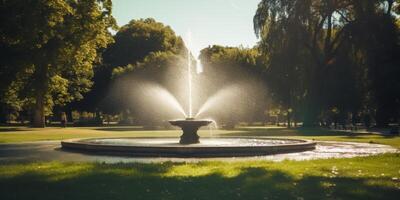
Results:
<point x="375" y="177"/>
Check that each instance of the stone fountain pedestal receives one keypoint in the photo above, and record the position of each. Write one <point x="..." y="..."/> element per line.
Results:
<point x="190" y="126"/>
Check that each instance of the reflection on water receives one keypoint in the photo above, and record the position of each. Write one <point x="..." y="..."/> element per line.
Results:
<point x="205" y="142"/>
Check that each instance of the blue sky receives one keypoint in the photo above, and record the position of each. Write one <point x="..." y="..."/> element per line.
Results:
<point x="223" y="22"/>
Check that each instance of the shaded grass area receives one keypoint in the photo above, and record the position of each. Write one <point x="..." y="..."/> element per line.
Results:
<point x="23" y="134"/>
<point x="319" y="134"/>
<point x="374" y="177"/>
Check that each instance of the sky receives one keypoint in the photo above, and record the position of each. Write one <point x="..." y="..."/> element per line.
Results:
<point x="222" y="22"/>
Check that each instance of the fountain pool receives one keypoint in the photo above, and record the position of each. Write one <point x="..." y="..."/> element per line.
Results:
<point x="171" y="147"/>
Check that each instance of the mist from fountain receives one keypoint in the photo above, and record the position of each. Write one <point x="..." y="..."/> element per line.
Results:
<point x="158" y="99"/>
<point x="155" y="101"/>
<point x="169" y="99"/>
<point x="211" y="127"/>
<point x="219" y="98"/>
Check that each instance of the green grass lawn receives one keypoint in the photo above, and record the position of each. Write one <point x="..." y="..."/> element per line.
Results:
<point x="373" y="177"/>
<point x="316" y="134"/>
<point x="15" y="134"/>
<point x="23" y="134"/>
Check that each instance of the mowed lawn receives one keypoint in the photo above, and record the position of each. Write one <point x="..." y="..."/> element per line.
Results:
<point x="373" y="177"/>
<point x="24" y="134"/>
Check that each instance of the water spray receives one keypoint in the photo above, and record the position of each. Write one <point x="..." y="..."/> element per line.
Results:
<point x="189" y="76"/>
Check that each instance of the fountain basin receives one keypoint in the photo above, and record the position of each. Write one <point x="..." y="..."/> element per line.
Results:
<point x="189" y="126"/>
<point x="170" y="147"/>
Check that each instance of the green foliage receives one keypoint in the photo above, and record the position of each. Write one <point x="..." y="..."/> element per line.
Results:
<point x="143" y="45"/>
<point x="228" y="63"/>
<point x="239" y="69"/>
<point x="138" y="39"/>
<point x="152" y="62"/>
<point x="378" y="50"/>
<point x="316" y="59"/>
<point x="51" y="46"/>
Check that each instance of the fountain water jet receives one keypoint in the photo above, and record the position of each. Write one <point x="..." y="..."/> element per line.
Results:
<point x="189" y="126"/>
<point x="189" y="65"/>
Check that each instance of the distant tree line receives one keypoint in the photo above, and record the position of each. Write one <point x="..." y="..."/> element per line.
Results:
<point x="319" y="62"/>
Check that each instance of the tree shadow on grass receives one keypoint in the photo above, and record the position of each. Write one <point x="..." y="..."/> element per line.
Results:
<point x="128" y="128"/>
<point x="12" y="129"/>
<point x="143" y="181"/>
<point x="293" y="132"/>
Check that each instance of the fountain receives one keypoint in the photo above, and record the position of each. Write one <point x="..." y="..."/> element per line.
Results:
<point x="189" y="144"/>
<point x="190" y="125"/>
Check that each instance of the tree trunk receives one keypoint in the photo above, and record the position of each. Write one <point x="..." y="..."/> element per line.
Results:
<point x="382" y="117"/>
<point x="277" y="120"/>
<point x="390" y="6"/>
<point x="312" y="101"/>
<point x="69" y="115"/>
<point x="3" y="118"/>
<point x="310" y="115"/>
<point x="39" y="116"/>
<point x="289" y="120"/>
<point x="3" y="114"/>
<point x="335" y="124"/>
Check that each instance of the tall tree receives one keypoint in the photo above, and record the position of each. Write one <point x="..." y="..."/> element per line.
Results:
<point x="316" y="26"/>
<point x="134" y="42"/>
<point x="51" y="46"/>
<point x="286" y="66"/>
<point x="376" y="38"/>
<point x="322" y="32"/>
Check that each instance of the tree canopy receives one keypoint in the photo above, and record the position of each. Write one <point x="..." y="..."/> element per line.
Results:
<point x="341" y="55"/>
<point x="237" y="69"/>
<point x="48" y="49"/>
<point x="137" y="39"/>
<point x="143" y="48"/>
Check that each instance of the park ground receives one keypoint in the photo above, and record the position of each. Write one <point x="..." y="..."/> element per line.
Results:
<point x="373" y="177"/>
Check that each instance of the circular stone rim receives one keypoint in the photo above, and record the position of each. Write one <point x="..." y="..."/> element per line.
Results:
<point x="81" y="145"/>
